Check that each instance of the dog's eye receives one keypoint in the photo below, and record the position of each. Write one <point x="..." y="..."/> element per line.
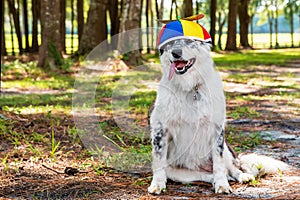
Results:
<point x="189" y="41"/>
<point x="161" y="51"/>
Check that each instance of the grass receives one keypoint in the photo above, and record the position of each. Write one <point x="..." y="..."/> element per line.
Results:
<point x="243" y="112"/>
<point x="248" y="60"/>
<point x="41" y="105"/>
<point x="243" y="141"/>
<point x="54" y="145"/>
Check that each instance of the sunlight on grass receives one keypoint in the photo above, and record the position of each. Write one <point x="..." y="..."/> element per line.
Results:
<point x="19" y="100"/>
<point x="19" y="70"/>
<point x="239" y="60"/>
<point x="58" y="83"/>
<point x="30" y="109"/>
<point x="289" y="96"/>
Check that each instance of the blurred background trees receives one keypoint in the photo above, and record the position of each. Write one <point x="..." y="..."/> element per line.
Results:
<point x="75" y="27"/>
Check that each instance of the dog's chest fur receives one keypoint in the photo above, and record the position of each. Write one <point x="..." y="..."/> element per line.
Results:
<point x="187" y="119"/>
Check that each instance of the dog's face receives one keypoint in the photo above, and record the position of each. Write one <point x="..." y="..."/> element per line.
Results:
<point x="182" y="56"/>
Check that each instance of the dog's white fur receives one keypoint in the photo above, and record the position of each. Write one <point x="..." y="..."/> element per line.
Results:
<point x="187" y="132"/>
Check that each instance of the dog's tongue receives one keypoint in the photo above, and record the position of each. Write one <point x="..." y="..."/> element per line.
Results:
<point x="172" y="70"/>
<point x="174" y="65"/>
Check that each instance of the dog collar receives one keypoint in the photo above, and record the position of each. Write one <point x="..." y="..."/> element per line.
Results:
<point x="196" y="95"/>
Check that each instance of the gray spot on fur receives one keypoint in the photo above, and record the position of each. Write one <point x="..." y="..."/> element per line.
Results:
<point x="158" y="140"/>
<point x="220" y="143"/>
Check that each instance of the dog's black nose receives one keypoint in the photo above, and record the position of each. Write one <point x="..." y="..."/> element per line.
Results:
<point x="177" y="53"/>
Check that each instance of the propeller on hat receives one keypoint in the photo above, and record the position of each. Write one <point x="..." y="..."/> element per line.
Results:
<point x="191" y="18"/>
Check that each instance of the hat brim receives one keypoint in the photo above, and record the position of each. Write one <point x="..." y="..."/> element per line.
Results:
<point x="208" y="40"/>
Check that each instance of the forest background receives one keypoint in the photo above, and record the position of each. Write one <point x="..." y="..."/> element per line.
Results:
<point x="77" y="26"/>
<point x="52" y="146"/>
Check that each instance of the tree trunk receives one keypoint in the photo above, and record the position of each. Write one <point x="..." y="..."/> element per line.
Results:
<point x="151" y="24"/>
<point x="159" y="15"/>
<point x="147" y="26"/>
<point x="157" y="10"/>
<point x="115" y="21"/>
<point x="15" y="13"/>
<point x="187" y="8"/>
<point x="80" y="19"/>
<point x="171" y="11"/>
<point x="161" y="12"/>
<point x="231" y="33"/>
<point x="131" y="19"/>
<point x="25" y="23"/>
<point x="12" y="34"/>
<point x="270" y="20"/>
<point x="244" y="23"/>
<point x="197" y="7"/>
<point x="292" y="24"/>
<point x="3" y="45"/>
<point x="50" y="49"/>
<point x="220" y="32"/>
<point x="251" y="21"/>
<point x="63" y="24"/>
<point x="276" y="24"/>
<point x="95" y="29"/>
<point x="213" y="9"/>
<point x="35" y="17"/>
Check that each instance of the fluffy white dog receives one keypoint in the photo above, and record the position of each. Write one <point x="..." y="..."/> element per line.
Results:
<point x="188" y="119"/>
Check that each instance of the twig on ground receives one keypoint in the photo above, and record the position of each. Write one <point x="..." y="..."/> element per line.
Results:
<point x="52" y="169"/>
<point x="68" y="170"/>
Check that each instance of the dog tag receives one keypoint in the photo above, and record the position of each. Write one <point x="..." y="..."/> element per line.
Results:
<point x="197" y="96"/>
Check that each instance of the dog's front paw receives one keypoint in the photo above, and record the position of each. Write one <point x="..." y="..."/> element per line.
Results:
<point x="156" y="187"/>
<point x="245" y="177"/>
<point x="222" y="187"/>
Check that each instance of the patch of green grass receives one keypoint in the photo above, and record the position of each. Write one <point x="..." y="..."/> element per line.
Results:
<point x="39" y="138"/>
<point x="141" y="101"/>
<point x="27" y="76"/>
<point x="254" y="182"/>
<point x="38" y="109"/>
<point x="274" y="96"/>
<point x="19" y="70"/>
<point x="242" y="59"/>
<point x="74" y="133"/>
<point x="243" y="112"/>
<point x="244" y="141"/>
<point x="131" y="159"/>
<point x="20" y="100"/>
<point x="55" y="83"/>
<point x="140" y="182"/>
<point x="5" y="127"/>
<point x="4" y="162"/>
<point x="135" y="149"/>
<point x="54" y="145"/>
<point x="154" y="58"/>
<point x="241" y="78"/>
<point x="7" y="133"/>
<point x="33" y="149"/>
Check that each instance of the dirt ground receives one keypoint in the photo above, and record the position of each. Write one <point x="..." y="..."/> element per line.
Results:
<point x="63" y="177"/>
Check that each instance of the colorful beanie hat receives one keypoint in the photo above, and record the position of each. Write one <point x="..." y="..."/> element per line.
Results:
<point x="183" y="28"/>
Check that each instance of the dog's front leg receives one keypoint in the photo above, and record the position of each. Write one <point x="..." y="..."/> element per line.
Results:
<point x="220" y="172"/>
<point x="159" y="162"/>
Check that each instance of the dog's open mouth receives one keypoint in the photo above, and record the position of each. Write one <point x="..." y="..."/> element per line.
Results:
<point x="180" y="66"/>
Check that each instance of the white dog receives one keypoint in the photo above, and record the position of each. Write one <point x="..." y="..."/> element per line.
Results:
<point x="188" y="120"/>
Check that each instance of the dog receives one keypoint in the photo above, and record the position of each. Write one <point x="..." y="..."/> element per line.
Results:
<point x="189" y="116"/>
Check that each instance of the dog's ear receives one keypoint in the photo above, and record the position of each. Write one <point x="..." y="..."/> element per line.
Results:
<point x="191" y="18"/>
